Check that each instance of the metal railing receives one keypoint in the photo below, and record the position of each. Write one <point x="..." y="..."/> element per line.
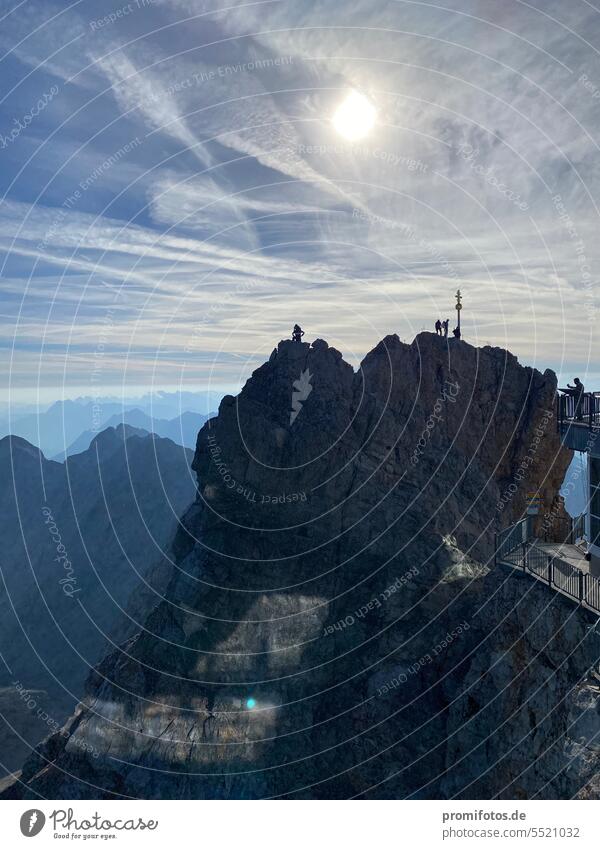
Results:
<point x="513" y="549"/>
<point x="562" y="529"/>
<point x="510" y="540"/>
<point x="568" y="578"/>
<point x="593" y="594"/>
<point x="583" y="409"/>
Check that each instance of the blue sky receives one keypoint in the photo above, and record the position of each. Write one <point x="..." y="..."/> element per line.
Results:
<point x="175" y="196"/>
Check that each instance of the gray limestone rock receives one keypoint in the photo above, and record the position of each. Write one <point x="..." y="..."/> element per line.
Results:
<point x="335" y="626"/>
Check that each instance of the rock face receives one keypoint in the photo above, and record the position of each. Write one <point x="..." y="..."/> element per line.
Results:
<point x="335" y="625"/>
<point x="78" y="538"/>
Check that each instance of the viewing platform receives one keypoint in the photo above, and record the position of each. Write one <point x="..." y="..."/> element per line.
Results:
<point x="579" y="428"/>
<point x="578" y="424"/>
<point x="561" y="563"/>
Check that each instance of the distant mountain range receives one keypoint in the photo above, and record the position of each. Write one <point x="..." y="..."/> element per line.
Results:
<point x="60" y="425"/>
<point x="85" y="551"/>
<point x="183" y="429"/>
<point x="56" y="429"/>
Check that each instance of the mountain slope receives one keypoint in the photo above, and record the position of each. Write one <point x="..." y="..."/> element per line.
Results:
<point x="335" y="626"/>
<point x="78" y="539"/>
<point x="60" y="424"/>
<point x="182" y="429"/>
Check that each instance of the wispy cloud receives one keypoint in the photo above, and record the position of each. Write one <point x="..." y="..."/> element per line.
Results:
<point x="240" y="211"/>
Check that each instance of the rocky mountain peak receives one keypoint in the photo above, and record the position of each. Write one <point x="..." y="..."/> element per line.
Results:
<point x="115" y="436"/>
<point x="10" y="445"/>
<point x="342" y="533"/>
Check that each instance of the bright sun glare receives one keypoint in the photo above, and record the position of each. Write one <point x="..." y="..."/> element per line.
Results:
<point x="354" y="117"/>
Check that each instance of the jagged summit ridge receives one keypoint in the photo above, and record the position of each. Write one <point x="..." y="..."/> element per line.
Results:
<point x="324" y="558"/>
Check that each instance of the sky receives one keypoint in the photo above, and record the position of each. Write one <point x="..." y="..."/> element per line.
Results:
<point x="175" y="194"/>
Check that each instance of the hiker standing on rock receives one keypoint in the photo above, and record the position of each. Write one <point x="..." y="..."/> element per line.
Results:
<point x="297" y="333"/>
<point x="438" y="328"/>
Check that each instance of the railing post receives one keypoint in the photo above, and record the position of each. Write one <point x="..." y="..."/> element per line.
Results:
<point x="524" y="547"/>
<point x="581" y="586"/>
<point x="550" y="571"/>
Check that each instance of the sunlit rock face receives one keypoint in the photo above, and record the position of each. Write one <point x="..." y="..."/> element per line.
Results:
<point x="335" y="626"/>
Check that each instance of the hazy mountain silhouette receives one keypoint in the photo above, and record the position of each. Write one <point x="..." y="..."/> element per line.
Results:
<point x="79" y="539"/>
<point x="182" y="429"/>
<point x="55" y="429"/>
<point x="58" y="426"/>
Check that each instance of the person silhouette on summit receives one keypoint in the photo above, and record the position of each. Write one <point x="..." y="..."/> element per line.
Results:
<point x="445" y="327"/>
<point x="438" y="328"/>
<point x="577" y="393"/>
<point x="297" y="333"/>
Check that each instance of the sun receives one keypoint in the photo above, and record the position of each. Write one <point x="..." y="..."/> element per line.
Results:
<point x="354" y="117"/>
